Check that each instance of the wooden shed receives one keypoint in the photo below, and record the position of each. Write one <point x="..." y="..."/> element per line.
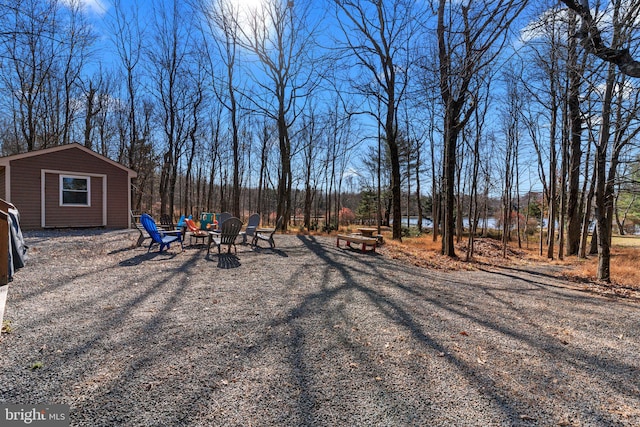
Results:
<point x="67" y="186"/>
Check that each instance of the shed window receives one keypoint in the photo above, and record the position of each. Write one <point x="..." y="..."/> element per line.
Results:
<point x="75" y="190"/>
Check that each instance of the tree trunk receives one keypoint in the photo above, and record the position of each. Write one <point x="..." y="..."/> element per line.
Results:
<point x="563" y="193"/>
<point x="603" y="222"/>
<point x="575" y="154"/>
<point x="233" y="111"/>
<point x="418" y="195"/>
<point x="593" y="247"/>
<point x="396" y="195"/>
<point x="91" y="111"/>
<point x="473" y="195"/>
<point x="450" y="144"/>
<point x="308" y="201"/>
<point x="552" y="202"/>
<point x="435" y="194"/>
<point x="586" y="220"/>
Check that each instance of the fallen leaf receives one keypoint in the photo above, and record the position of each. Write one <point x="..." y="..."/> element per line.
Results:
<point x="464" y="333"/>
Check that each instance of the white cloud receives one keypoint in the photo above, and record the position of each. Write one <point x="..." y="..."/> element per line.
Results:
<point x="541" y="27"/>
<point x="98" y="7"/>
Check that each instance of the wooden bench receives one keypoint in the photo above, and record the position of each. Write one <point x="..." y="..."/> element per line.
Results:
<point x="359" y="239"/>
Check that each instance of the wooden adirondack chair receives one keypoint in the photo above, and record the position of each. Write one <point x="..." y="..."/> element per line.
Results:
<point x="252" y="225"/>
<point x="267" y="234"/>
<point x="229" y="231"/>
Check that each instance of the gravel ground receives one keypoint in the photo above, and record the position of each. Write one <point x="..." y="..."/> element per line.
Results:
<point x="308" y="334"/>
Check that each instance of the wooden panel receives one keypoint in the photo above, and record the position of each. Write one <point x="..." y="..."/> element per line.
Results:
<point x="72" y="216"/>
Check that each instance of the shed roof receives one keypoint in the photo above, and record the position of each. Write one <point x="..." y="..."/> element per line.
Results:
<point x="4" y="161"/>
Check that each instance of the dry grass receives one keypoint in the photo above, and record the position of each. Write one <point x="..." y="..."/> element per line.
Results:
<point x="624" y="267"/>
<point x="626" y="241"/>
<point x="424" y="252"/>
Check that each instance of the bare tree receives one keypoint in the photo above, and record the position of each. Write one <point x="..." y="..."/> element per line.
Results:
<point x="28" y="60"/>
<point x="593" y="43"/>
<point x="511" y="129"/>
<point x="280" y="35"/>
<point x="418" y="171"/>
<point x="174" y="90"/>
<point x="195" y="107"/>
<point x="480" y="115"/>
<point x="100" y="107"/>
<point x="547" y="89"/>
<point x="77" y="41"/>
<point x="127" y="38"/>
<point x="92" y="109"/>
<point x="607" y="156"/>
<point x="310" y="134"/>
<point x="470" y="35"/>
<point x="378" y="34"/>
<point x="589" y="179"/>
<point x="575" y="71"/>
<point x="223" y="20"/>
<point x="266" y="142"/>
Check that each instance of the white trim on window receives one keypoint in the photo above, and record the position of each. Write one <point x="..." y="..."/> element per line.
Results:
<point x="86" y="190"/>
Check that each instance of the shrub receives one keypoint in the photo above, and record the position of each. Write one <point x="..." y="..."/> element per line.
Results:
<point x="346" y="216"/>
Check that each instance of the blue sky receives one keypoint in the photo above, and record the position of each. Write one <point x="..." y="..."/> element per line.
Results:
<point x="100" y="12"/>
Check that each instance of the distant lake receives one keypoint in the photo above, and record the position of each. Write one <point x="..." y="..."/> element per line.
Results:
<point x="427" y="223"/>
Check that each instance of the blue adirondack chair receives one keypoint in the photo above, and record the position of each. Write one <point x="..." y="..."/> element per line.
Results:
<point x="163" y="238"/>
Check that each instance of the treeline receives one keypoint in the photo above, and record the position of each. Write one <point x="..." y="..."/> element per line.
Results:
<point x="290" y="108"/>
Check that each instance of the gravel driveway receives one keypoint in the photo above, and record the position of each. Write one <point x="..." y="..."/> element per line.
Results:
<point x="308" y="334"/>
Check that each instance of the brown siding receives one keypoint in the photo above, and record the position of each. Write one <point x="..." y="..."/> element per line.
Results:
<point x="26" y="187"/>
<point x="76" y="216"/>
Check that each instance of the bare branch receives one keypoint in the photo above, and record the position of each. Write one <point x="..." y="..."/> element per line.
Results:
<point x="591" y="37"/>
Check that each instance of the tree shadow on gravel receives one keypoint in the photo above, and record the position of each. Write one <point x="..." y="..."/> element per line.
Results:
<point x="147" y="256"/>
<point x="360" y="275"/>
<point x="182" y="346"/>
<point x="548" y="281"/>
<point x="275" y="251"/>
<point x="385" y="305"/>
<point x="121" y="250"/>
